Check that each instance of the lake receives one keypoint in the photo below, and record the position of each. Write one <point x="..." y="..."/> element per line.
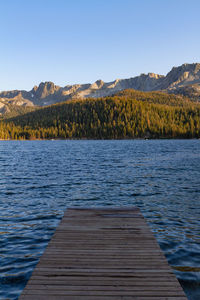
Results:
<point x="40" y="179"/>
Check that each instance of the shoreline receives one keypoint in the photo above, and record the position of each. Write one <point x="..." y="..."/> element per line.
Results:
<point x="93" y="139"/>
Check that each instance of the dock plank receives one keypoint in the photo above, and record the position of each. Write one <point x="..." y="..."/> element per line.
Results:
<point x="103" y="254"/>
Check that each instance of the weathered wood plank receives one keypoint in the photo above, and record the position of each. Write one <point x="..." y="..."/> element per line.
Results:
<point x="103" y="254"/>
<point x="141" y="292"/>
<point x="72" y="297"/>
<point x="97" y="288"/>
<point x="104" y="281"/>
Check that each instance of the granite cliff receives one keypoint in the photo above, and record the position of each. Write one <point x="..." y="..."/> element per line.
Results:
<point x="184" y="80"/>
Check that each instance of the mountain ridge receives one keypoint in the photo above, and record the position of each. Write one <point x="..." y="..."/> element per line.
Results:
<point x="126" y="114"/>
<point x="183" y="80"/>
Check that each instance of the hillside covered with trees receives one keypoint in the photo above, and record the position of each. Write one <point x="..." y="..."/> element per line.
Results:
<point x="128" y="114"/>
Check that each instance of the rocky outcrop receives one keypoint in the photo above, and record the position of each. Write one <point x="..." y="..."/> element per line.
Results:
<point x="183" y="80"/>
<point x="184" y="75"/>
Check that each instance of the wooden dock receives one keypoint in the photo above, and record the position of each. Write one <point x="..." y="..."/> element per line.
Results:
<point x="103" y="254"/>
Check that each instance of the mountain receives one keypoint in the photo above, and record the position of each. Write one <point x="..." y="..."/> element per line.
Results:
<point x="127" y="114"/>
<point x="184" y="80"/>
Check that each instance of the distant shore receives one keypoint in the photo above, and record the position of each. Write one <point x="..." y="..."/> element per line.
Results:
<point x="88" y="139"/>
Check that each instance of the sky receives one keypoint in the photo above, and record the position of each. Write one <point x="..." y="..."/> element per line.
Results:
<point x="81" y="41"/>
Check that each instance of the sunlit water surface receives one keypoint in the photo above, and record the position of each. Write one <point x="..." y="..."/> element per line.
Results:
<point x="40" y="179"/>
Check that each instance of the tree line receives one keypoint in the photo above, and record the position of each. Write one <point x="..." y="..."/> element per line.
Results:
<point x="129" y="114"/>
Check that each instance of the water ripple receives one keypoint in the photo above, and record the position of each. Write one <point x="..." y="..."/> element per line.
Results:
<point x="40" y="179"/>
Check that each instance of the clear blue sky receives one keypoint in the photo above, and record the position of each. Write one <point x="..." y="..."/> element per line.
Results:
<point x="80" y="41"/>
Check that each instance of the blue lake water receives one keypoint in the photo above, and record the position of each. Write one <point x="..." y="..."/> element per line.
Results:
<point x="40" y="179"/>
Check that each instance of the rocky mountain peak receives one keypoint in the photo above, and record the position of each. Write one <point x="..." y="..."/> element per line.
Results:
<point x="44" y="89"/>
<point x="180" y="76"/>
<point x="192" y="68"/>
<point x="99" y="83"/>
<point x="184" y="80"/>
<point x="156" y="76"/>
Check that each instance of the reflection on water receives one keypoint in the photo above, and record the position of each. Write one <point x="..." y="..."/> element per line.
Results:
<point x="40" y="179"/>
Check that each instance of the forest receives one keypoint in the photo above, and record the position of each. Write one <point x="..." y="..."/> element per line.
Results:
<point x="127" y="115"/>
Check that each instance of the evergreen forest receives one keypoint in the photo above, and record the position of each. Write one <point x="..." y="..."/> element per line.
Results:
<point x="128" y="114"/>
